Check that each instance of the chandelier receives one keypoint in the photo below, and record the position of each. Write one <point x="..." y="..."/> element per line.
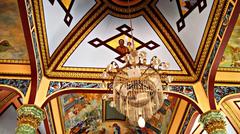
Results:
<point x="137" y="86"/>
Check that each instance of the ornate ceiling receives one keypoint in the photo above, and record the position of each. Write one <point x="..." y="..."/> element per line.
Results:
<point x="68" y="47"/>
<point x="53" y="49"/>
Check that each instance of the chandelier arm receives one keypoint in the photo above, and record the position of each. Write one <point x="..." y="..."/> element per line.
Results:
<point x="145" y="70"/>
<point x="131" y="26"/>
<point x="120" y="77"/>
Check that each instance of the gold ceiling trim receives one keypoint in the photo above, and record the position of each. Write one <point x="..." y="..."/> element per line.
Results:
<point x="15" y="69"/>
<point x="198" y="60"/>
<point x="98" y="76"/>
<point x="54" y="66"/>
<point x="61" y="68"/>
<point x="42" y="36"/>
<point x="228" y="69"/>
<point x="40" y="25"/>
<point x="14" y="61"/>
<point x="230" y="97"/>
<point x="221" y="9"/>
<point x="124" y="12"/>
<point x="45" y="48"/>
<point x="4" y="76"/>
<point x="231" y="114"/>
<point x="227" y="77"/>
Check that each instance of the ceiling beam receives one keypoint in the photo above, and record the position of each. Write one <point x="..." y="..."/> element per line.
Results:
<point x="28" y="39"/>
<point x="220" y="52"/>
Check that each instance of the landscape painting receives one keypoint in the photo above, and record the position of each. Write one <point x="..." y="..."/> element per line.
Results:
<point x="231" y="56"/>
<point x="12" y="41"/>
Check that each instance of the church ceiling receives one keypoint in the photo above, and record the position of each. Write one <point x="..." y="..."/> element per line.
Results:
<point x="81" y="112"/>
<point x="79" y="38"/>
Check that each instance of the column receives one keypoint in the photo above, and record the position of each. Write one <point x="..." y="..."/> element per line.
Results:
<point x="213" y="122"/>
<point x="29" y="118"/>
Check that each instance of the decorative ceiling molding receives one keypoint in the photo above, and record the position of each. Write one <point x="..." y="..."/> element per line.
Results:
<point x="54" y="65"/>
<point x="231" y="10"/>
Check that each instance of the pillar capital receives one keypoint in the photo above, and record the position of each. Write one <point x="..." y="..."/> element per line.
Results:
<point x="213" y="122"/>
<point x="29" y="118"/>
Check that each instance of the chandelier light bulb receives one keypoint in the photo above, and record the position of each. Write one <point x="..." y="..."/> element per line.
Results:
<point x="112" y="104"/>
<point x="141" y="122"/>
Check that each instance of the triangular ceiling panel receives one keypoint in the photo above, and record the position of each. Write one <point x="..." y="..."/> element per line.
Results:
<point x="60" y="18"/>
<point x="188" y="19"/>
<point x="99" y="48"/>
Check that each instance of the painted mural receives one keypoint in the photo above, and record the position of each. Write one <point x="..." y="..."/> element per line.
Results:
<point x="81" y="113"/>
<point x="231" y="56"/>
<point x="87" y="113"/>
<point x="12" y="41"/>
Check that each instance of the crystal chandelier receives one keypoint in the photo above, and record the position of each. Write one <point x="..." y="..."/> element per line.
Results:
<point x="137" y="86"/>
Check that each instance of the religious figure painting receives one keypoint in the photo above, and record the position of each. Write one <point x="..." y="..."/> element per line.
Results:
<point x="88" y="113"/>
<point x="81" y="113"/>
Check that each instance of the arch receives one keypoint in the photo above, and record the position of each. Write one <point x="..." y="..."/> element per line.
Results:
<point x="219" y="55"/>
<point x="191" y="122"/>
<point x="229" y="97"/>
<point x="14" y="89"/>
<point x="186" y="98"/>
<point x="74" y="90"/>
<point x="103" y="91"/>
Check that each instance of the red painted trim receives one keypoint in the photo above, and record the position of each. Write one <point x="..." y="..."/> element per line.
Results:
<point x="191" y="123"/>
<point x="186" y="99"/>
<point x="6" y="105"/>
<point x="10" y="89"/>
<point x="46" y="125"/>
<point x="74" y="91"/>
<point x="219" y="54"/>
<point x="28" y="39"/>
<point x="17" y="102"/>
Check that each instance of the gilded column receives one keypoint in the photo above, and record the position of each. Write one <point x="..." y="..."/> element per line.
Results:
<point x="29" y="118"/>
<point x="213" y="122"/>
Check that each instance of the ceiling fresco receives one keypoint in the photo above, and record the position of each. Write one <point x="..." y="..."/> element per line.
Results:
<point x="87" y="112"/>
<point x="188" y="19"/>
<point x="231" y="56"/>
<point x="75" y="40"/>
<point x="90" y="32"/>
<point x="57" y="28"/>
<point x="106" y="36"/>
<point x="12" y="41"/>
